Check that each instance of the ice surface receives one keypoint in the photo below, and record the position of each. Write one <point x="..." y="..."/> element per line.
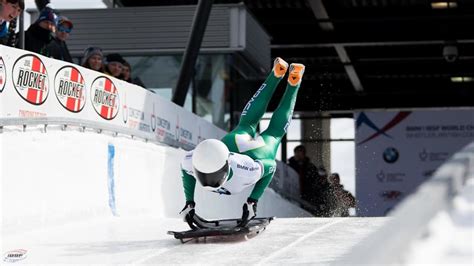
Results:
<point x="143" y="240"/>
<point x="74" y="225"/>
<point x="57" y="208"/>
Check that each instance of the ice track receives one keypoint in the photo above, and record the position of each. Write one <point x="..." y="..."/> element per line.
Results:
<point x="143" y="240"/>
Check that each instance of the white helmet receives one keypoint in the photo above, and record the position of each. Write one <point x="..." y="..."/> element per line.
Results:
<point x="210" y="163"/>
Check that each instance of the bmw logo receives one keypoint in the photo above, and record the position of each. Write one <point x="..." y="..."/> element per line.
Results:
<point x="390" y="155"/>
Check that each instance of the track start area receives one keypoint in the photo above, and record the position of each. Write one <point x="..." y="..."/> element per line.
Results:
<point x="143" y="240"/>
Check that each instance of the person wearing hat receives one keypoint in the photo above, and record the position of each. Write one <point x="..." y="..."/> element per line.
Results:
<point x="39" y="34"/>
<point x="57" y="48"/>
<point x="9" y="11"/>
<point x="127" y="75"/>
<point x="114" y="65"/>
<point x="93" y="58"/>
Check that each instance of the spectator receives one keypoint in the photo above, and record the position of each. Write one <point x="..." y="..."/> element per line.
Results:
<point x="93" y="58"/>
<point x="127" y="75"/>
<point x="323" y="198"/>
<point x="57" y="48"/>
<point x="114" y="65"/>
<point x="9" y="11"/>
<point x="306" y="170"/>
<point x="126" y="72"/>
<point x="343" y="199"/>
<point x="39" y="34"/>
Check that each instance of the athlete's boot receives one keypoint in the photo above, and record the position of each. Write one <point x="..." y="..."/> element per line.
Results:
<point x="296" y="74"/>
<point x="279" y="67"/>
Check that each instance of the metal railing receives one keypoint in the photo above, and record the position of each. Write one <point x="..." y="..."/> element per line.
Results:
<point x="82" y="125"/>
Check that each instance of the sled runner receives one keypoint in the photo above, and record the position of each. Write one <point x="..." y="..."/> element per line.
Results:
<point x="228" y="229"/>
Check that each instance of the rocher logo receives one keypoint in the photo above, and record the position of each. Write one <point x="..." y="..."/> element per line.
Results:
<point x="3" y="74"/>
<point x="105" y="98"/>
<point x="69" y="86"/>
<point x="390" y="155"/>
<point x="30" y="79"/>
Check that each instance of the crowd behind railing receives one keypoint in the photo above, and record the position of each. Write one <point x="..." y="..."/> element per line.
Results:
<point x="48" y="36"/>
<point x="323" y="195"/>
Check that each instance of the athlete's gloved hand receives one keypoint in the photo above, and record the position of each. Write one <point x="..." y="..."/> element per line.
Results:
<point x="249" y="211"/>
<point x="188" y="211"/>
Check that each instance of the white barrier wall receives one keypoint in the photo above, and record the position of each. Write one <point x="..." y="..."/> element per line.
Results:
<point x="51" y="176"/>
<point x="32" y="85"/>
<point x="396" y="151"/>
<point x="63" y="176"/>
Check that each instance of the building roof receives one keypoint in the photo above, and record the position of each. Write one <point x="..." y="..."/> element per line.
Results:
<point x="370" y="53"/>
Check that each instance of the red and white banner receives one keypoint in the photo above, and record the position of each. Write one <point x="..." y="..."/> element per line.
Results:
<point x="30" y="79"/>
<point x="105" y="97"/>
<point x="396" y="151"/>
<point x="3" y="75"/>
<point x="70" y="88"/>
<point x="25" y="80"/>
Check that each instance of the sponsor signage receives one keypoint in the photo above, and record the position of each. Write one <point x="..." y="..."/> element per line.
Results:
<point x="27" y="78"/>
<point x="15" y="255"/>
<point x="390" y="155"/>
<point x="70" y="88"/>
<point x="30" y="79"/>
<point x="3" y="74"/>
<point x="389" y="195"/>
<point x="396" y="151"/>
<point x="105" y="98"/>
<point x="165" y="125"/>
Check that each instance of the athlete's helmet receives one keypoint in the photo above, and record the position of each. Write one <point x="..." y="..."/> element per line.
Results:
<point x="210" y="163"/>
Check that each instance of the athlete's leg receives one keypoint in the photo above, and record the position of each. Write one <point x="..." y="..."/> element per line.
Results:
<point x="282" y="116"/>
<point x="255" y="108"/>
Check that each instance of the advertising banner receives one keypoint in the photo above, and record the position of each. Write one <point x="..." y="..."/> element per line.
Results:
<point x="396" y="151"/>
<point x="32" y="85"/>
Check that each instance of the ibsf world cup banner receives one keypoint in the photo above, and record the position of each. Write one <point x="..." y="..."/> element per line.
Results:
<point x="396" y="151"/>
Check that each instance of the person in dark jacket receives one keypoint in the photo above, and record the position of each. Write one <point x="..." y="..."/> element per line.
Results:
<point x="57" y="48"/>
<point x="127" y="75"/>
<point x="9" y="11"/>
<point x="114" y="65"/>
<point x="39" y="34"/>
<point x="343" y="199"/>
<point x="127" y="72"/>
<point x="306" y="170"/>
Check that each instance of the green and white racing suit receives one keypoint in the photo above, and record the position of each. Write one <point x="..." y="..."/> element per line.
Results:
<point x="252" y="158"/>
